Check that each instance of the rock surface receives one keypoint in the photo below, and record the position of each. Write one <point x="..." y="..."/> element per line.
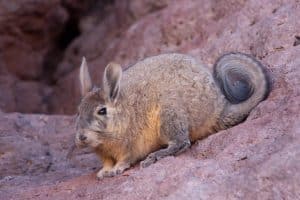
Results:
<point x="258" y="159"/>
<point x="204" y="29"/>
<point x="33" y="152"/>
<point x="34" y="36"/>
<point x="28" y="32"/>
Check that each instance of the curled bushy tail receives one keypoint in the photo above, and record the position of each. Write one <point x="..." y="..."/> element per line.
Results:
<point x="243" y="81"/>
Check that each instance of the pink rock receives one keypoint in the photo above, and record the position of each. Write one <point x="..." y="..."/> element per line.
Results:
<point x="258" y="159"/>
<point x="27" y="30"/>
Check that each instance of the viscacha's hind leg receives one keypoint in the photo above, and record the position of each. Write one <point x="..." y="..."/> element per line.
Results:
<point x="173" y="130"/>
<point x="172" y="149"/>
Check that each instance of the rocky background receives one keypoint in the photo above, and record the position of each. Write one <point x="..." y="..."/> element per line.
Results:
<point x="41" y="46"/>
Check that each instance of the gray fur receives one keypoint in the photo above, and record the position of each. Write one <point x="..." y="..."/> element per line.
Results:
<point x="164" y="103"/>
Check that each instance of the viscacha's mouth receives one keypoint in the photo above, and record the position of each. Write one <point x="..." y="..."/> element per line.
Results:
<point x="80" y="144"/>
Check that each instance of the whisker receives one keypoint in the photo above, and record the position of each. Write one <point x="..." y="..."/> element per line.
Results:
<point x="107" y="134"/>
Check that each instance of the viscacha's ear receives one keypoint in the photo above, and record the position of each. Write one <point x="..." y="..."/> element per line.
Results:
<point x="111" y="81"/>
<point x="85" y="78"/>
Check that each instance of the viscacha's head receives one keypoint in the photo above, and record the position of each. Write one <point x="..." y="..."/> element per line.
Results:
<point x="98" y="118"/>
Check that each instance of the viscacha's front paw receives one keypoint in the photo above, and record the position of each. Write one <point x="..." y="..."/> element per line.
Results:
<point x="120" y="168"/>
<point x="105" y="173"/>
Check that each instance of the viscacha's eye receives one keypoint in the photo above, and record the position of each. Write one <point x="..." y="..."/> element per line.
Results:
<point x="102" y="111"/>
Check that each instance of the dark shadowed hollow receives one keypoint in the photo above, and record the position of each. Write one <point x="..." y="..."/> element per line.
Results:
<point x="41" y="47"/>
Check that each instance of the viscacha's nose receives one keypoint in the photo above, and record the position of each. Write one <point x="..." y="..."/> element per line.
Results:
<point x="82" y="137"/>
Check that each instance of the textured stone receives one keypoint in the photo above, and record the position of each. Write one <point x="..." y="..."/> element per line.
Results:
<point x="34" y="148"/>
<point x="204" y="29"/>
<point x="29" y="30"/>
<point x="23" y="96"/>
<point x="258" y="159"/>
